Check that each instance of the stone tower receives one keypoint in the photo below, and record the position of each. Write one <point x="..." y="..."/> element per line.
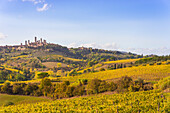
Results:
<point x="45" y="42"/>
<point x="41" y="40"/>
<point x="35" y="39"/>
<point x="26" y="43"/>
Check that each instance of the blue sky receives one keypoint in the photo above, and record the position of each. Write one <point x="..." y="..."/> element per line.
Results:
<point x="141" y="26"/>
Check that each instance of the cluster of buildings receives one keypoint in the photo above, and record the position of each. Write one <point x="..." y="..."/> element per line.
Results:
<point x="35" y="44"/>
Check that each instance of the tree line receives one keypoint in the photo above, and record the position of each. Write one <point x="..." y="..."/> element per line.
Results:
<point x="66" y="90"/>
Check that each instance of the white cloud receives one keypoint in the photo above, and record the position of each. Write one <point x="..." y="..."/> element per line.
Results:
<point x="44" y="8"/>
<point x="34" y="1"/>
<point x="148" y="51"/>
<point x="108" y="46"/>
<point x="2" y="36"/>
<point x="73" y="45"/>
<point x="113" y="46"/>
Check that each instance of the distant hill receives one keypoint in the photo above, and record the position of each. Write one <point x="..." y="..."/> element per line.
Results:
<point x="41" y="56"/>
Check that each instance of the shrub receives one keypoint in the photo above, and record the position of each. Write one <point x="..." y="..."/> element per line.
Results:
<point x="92" y="87"/>
<point x="69" y="91"/>
<point x="124" y="83"/>
<point x="60" y="90"/>
<point x="8" y="104"/>
<point x="112" y="86"/>
<point x="158" y="63"/>
<point x="6" y="88"/>
<point x="82" y="81"/>
<point x="102" y="69"/>
<point x="17" y="89"/>
<point x="103" y="87"/>
<point x="30" y="89"/>
<point x="79" y="90"/>
<point x="67" y="83"/>
<point x="43" y="75"/>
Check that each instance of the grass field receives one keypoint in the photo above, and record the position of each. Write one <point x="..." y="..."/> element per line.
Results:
<point x="54" y="64"/>
<point x="155" y="72"/>
<point x="143" y="102"/>
<point x="121" y="61"/>
<point x="60" y="56"/>
<point x="21" y="56"/>
<point x="17" y="99"/>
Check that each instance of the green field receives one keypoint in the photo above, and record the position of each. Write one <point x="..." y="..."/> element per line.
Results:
<point x="19" y="99"/>
<point x="54" y="64"/>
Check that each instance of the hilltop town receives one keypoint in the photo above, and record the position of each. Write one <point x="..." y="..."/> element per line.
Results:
<point x="28" y="43"/>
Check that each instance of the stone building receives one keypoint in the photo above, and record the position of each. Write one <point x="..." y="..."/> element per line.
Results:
<point x="36" y="43"/>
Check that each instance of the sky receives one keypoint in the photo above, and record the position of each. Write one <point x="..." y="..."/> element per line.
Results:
<point x="138" y="26"/>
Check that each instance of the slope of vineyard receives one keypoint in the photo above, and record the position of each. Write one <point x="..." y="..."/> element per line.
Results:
<point x="148" y="72"/>
<point x="121" y="61"/>
<point x="143" y="102"/>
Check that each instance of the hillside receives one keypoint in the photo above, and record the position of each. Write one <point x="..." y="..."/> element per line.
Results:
<point x="40" y="56"/>
<point x="110" y="81"/>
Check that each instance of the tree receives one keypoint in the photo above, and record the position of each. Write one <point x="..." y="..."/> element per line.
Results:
<point x="45" y="86"/>
<point x="17" y="89"/>
<point x="30" y="89"/>
<point x="6" y="88"/>
<point x="124" y="83"/>
<point x="92" y="87"/>
<point x="79" y="90"/>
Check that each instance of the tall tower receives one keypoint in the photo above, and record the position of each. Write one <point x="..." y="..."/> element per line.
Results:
<point x="26" y="43"/>
<point x="35" y="39"/>
<point x="41" y="40"/>
<point x="45" y="42"/>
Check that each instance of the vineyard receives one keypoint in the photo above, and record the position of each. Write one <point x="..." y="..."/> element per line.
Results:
<point x="143" y="102"/>
<point x="121" y="61"/>
<point x="148" y="72"/>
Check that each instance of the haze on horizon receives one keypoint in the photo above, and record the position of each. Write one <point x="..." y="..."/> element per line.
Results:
<point x="139" y="26"/>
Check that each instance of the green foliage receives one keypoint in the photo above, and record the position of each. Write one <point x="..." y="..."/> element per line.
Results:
<point x="17" y="89"/>
<point x="79" y="90"/>
<point x="102" y="69"/>
<point x="45" y="86"/>
<point x="98" y="86"/>
<point x="6" y="88"/>
<point x="112" y="86"/>
<point x="124" y="83"/>
<point x="163" y="84"/>
<point x="150" y="60"/>
<point x="8" y="104"/>
<point x="30" y="89"/>
<point x="43" y="75"/>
